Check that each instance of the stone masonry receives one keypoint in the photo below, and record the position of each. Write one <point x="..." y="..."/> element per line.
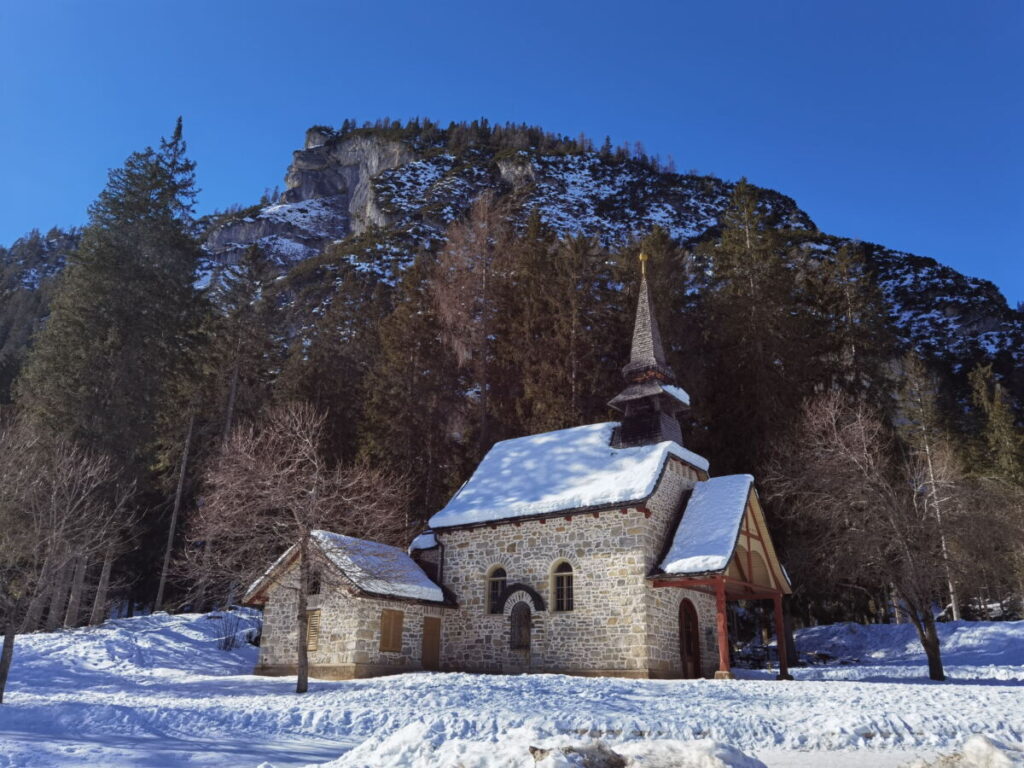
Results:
<point x="350" y="627"/>
<point x="620" y="624"/>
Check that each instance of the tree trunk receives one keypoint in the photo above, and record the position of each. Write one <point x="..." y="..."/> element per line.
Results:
<point x="229" y="411"/>
<point x="930" y="641"/>
<point x="174" y="514"/>
<point x="899" y="615"/>
<point x="199" y="605"/>
<point x="934" y="497"/>
<point x="34" y="615"/>
<point x="58" y="598"/>
<point x="7" y="654"/>
<point x="99" y="603"/>
<point x="71" y="617"/>
<point x="302" y="683"/>
<point x="927" y="633"/>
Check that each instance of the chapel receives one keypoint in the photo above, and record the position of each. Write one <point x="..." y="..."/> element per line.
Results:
<point x="604" y="549"/>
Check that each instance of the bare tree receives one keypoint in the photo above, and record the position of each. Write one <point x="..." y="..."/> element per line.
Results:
<point x="269" y="490"/>
<point x="871" y="506"/>
<point x="471" y="271"/>
<point x="59" y="506"/>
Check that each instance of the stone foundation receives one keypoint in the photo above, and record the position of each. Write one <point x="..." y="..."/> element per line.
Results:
<point x="333" y="671"/>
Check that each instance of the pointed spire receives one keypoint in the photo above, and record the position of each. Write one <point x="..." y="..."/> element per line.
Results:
<point x="646" y="357"/>
<point x="649" y="401"/>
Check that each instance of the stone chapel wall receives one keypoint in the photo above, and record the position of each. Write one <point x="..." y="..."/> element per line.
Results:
<point x="609" y="629"/>
<point x="662" y="603"/>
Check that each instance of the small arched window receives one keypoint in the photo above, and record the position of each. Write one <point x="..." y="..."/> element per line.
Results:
<point x="562" y="587"/>
<point x="495" y="586"/>
<point x="519" y="636"/>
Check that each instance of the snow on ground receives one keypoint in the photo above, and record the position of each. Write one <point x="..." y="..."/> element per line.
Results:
<point x="971" y="651"/>
<point x="157" y="691"/>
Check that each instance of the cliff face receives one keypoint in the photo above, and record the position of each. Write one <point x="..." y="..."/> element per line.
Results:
<point x="329" y="196"/>
<point x="338" y="188"/>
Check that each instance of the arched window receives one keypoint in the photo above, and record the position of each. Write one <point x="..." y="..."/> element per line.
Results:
<point x="495" y="586"/>
<point x="562" y="587"/>
<point x="519" y="638"/>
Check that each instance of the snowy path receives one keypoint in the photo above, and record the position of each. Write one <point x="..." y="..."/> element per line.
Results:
<point x="156" y="691"/>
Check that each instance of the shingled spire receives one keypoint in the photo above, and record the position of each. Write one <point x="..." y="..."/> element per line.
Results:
<point x="646" y="358"/>
<point x="650" y="400"/>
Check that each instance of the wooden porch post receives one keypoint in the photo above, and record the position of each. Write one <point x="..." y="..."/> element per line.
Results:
<point x="780" y="639"/>
<point x="723" y="672"/>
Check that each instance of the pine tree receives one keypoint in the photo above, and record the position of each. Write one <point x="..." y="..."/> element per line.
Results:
<point x="414" y="398"/>
<point x="246" y="340"/>
<point x="124" y="313"/>
<point x="1002" y="454"/>
<point x="753" y="342"/>
<point x="849" y="342"/>
<point x="556" y="331"/>
<point x="328" y="362"/>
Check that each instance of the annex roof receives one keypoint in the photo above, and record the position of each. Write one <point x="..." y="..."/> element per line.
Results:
<point x="372" y="567"/>
<point x="559" y="471"/>
<point x="707" y="533"/>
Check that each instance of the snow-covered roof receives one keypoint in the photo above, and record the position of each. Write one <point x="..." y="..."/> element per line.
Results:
<point x="652" y="387"/>
<point x="426" y="540"/>
<point x="372" y="567"/>
<point x="555" y="471"/>
<point x="678" y="393"/>
<point x="377" y="568"/>
<point x="707" y="533"/>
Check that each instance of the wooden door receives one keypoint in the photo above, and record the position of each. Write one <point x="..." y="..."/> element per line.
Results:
<point x="689" y="640"/>
<point x="431" y="642"/>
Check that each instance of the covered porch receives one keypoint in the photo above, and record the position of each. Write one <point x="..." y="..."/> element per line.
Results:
<point x="726" y="589"/>
<point x="722" y="547"/>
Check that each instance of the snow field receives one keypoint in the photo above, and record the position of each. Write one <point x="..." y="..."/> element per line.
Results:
<point x="157" y="691"/>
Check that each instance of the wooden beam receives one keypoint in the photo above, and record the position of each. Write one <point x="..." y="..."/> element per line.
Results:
<point x="724" y="671"/>
<point x="771" y="568"/>
<point x="780" y="640"/>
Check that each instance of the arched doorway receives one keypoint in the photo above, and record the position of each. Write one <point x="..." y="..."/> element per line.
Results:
<point x="689" y="640"/>
<point x="519" y="639"/>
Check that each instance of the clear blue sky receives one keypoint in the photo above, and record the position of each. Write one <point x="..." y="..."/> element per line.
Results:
<point x="896" y="122"/>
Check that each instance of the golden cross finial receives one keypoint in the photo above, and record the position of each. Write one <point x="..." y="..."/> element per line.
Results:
<point x="643" y="264"/>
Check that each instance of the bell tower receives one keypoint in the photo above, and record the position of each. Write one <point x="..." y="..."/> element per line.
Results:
<point x="650" y="400"/>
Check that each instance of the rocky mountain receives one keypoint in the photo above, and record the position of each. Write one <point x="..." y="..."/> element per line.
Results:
<point x="378" y="197"/>
<point x="343" y="186"/>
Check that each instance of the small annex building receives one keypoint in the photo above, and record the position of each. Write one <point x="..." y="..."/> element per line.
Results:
<point x="372" y="610"/>
<point x="604" y="549"/>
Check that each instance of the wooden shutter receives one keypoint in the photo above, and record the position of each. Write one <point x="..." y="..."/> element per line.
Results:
<point x="312" y="630"/>
<point x="391" y="630"/>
